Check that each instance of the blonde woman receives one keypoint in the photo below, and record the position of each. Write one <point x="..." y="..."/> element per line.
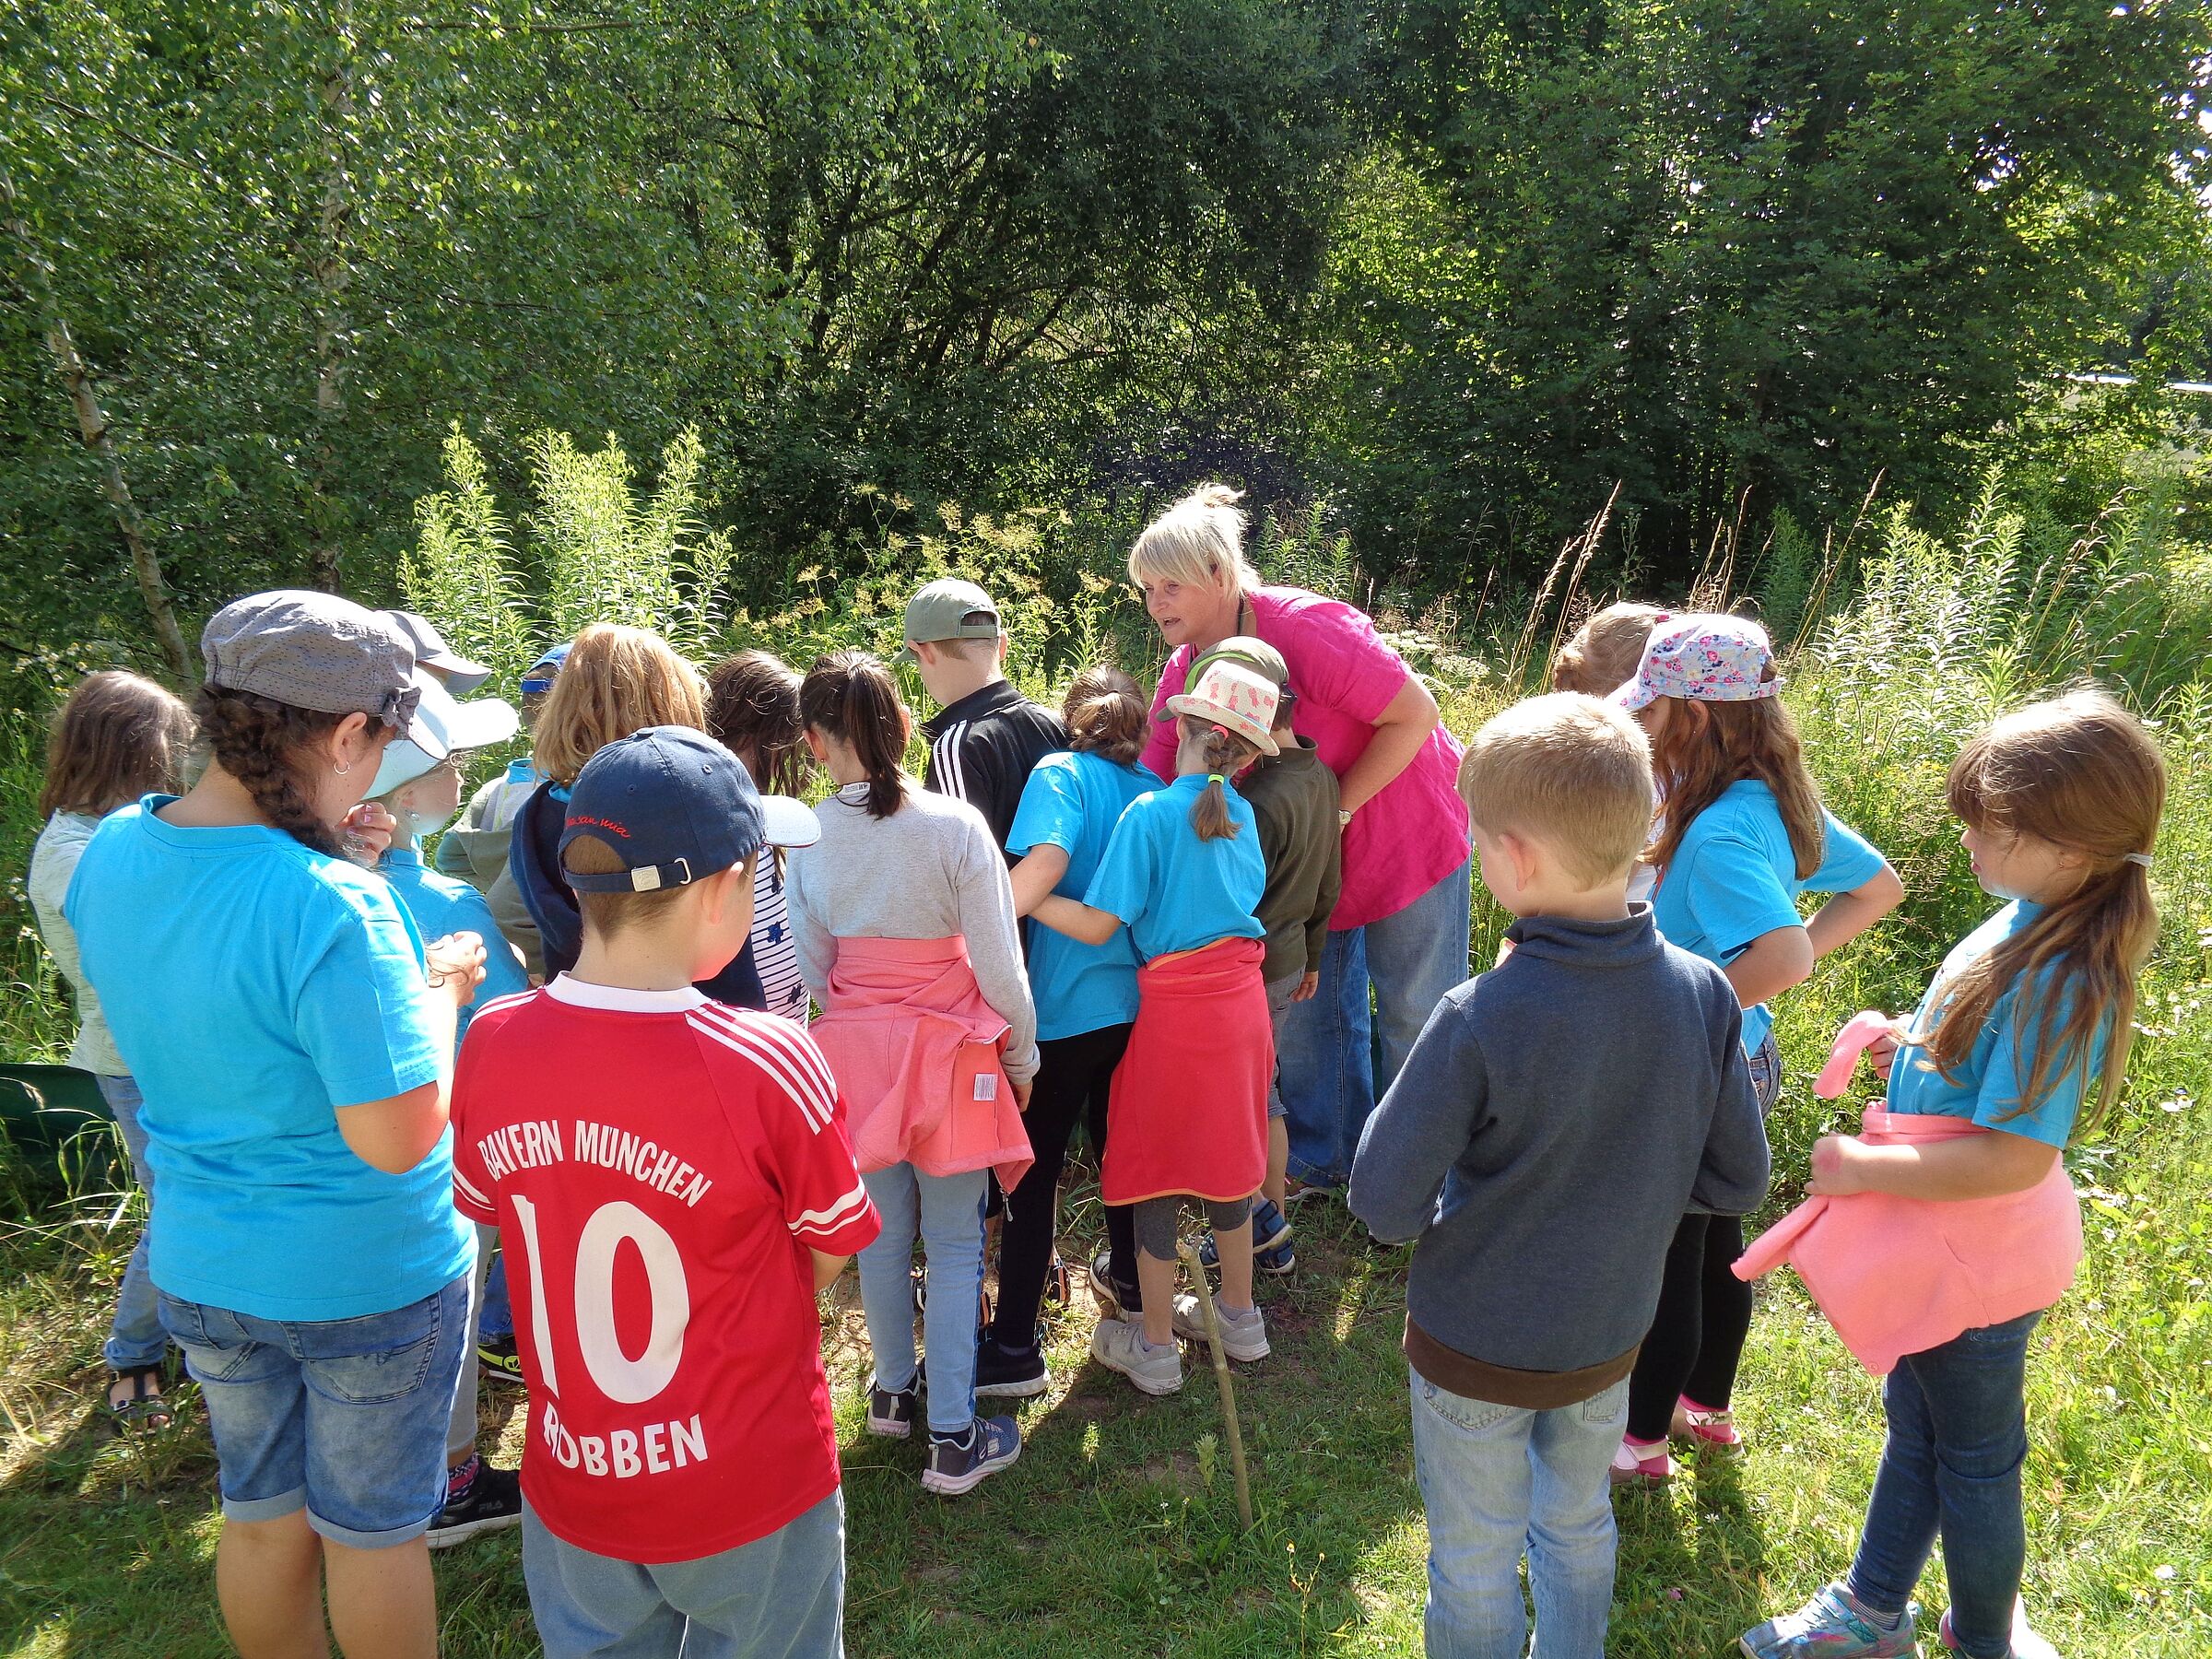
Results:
<point x="1399" y="933"/>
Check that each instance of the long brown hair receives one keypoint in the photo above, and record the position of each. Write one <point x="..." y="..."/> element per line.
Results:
<point x="1223" y="752"/>
<point x="617" y="680"/>
<point x="1704" y="747"/>
<point x="1106" y="714"/>
<point x="851" y="697"/>
<point x="116" y="738"/>
<point x="2080" y="773"/>
<point x="753" y="705"/>
<point x="258" y="741"/>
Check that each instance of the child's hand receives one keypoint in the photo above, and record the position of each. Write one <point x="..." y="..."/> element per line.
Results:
<point x="366" y="833"/>
<point x="1307" y="986"/>
<point x="1836" y="1167"/>
<point x="1021" y="1093"/>
<point x="456" y="965"/>
<point x="1882" y="1052"/>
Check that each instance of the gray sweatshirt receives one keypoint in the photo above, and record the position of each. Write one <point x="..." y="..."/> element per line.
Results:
<point x="929" y="871"/>
<point x="1555" y="1120"/>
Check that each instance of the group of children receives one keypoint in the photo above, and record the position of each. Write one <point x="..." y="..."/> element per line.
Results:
<point x="1039" y="933"/>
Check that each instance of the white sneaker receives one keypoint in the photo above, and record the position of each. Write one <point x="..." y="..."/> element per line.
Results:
<point x="1118" y="1345"/>
<point x="1244" y="1336"/>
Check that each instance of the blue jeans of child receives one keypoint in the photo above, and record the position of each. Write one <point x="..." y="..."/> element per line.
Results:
<point x="343" y="1417"/>
<point x="135" y="1336"/>
<point x="1499" y="1480"/>
<point x="946" y="1211"/>
<point x="1336" y="1058"/>
<point x="497" y="1318"/>
<point x="778" y="1597"/>
<point x="1951" y="1467"/>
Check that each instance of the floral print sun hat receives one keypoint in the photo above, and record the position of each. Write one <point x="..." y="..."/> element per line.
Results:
<point x="1707" y="658"/>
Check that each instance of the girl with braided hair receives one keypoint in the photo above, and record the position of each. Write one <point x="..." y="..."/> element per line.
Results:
<point x="293" y="1036"/>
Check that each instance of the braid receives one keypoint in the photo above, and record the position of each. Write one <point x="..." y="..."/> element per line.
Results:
<point x="254" y="738"/>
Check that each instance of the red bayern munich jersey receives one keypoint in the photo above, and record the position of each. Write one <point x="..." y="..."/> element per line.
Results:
<point x="659" y="1166"/>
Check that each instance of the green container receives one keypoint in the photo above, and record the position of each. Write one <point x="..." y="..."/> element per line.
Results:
<point x="57" y="1120"/>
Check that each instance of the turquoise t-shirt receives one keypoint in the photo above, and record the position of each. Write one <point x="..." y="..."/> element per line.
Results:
<point x="438" y="905"/>
<point x="253" y="984"/>
<point x="1175" y="892"/>
<point x="1987" y="1087"/>
<point x="1072" y="801"/>
<point x="1734" y="877"/>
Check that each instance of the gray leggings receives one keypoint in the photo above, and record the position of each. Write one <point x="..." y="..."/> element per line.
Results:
<point x="1156" y="1220"/>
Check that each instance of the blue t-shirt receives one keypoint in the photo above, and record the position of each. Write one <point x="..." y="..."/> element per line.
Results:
<point x="1734" y="878"/>
<point x="253" y="984"/>
<point x="1987" y="1084"/>
<point x="1072" y="801"/>
<point x="438" y="905"/>
<point x="1175" y="892"/>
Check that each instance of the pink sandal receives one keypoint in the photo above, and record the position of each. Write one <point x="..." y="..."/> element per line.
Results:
<point x="1636" y="1463"/>
<point x="1713" y="1428"/>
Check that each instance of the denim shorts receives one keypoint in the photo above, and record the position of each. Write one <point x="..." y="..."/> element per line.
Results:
<point x="343" y="1417"/>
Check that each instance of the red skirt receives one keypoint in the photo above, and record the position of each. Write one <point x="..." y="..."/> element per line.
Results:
<point x="1188" y="1111"/>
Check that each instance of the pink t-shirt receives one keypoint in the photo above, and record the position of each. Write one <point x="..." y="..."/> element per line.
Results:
<point x="1414" y="833"/>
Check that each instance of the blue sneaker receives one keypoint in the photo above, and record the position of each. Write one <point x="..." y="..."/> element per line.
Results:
<point x="960" y="1463"/>
<point x="1270" y="1242"/>
<point x="1831" y="1626"/>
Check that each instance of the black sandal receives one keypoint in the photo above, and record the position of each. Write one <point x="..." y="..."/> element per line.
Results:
<point x="146" y="1409"/>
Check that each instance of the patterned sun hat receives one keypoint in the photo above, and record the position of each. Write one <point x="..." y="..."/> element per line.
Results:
<point x="1707" y="658"/>
<point x="1233" y="696"/>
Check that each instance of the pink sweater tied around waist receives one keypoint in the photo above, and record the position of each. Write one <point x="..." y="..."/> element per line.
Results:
<point x="916" y="1049"/>
<point x="1899" y="1275"/>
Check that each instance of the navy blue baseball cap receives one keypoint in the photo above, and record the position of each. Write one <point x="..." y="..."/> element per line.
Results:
<point x="675" y="806"/>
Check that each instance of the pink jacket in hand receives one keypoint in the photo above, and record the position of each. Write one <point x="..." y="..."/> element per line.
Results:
<point x="1899" y="1275"/>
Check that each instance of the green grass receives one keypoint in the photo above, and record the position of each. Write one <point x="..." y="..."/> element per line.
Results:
<point x="1116" y="1532"/>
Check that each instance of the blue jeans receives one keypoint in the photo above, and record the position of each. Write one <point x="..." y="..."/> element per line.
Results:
<point x="1335" y="1058"/>
<point x="135" y="1336"/>
<point x="1951" y="1466"/>
<point x="778" y="1597"/>
<point x="498" y="1319"/>
<point x="343" y="1417"/>
<point x="1498" y="1480"/>
<point x="948" y="1213"/>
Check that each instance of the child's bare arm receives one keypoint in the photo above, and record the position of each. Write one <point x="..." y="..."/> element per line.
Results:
<point x="1037" y="875"/>
<point x="826" y="1269"/>
<point x="1077" y="920"/>
<point x="1847" y="915"/>
<point x="1978" y="1166"/>
<point x="1771" y="964"/>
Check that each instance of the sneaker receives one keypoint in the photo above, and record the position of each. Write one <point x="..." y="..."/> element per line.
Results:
<point x="1281" y="1261"/>
<point x="491" y="1502"/>
<point x="1003" y="1375"/>
<point x="891" y="1411"/>
<point x="1711" y="1428"/>
<point x="495" y="1357"/>
<point x="1635" y="1464"/>
<point x="961" y="1462"/>
<point x="2025" y="1643"/>
<point x="1120" y="1300"/>
<point x="1118" y="1345"/>
<point x="1269" y="1232"/>
<point x="1244" y="1336"/>
<point x="1831" y="1626"/>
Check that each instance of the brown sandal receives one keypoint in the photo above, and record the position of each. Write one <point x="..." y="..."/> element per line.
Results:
<point x="146" y="1409"/>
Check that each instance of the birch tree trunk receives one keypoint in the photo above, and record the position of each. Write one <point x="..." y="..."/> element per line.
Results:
<point x="92" y="428"/>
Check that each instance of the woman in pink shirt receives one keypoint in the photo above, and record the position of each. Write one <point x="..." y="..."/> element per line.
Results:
<point x="1401" y="925"/>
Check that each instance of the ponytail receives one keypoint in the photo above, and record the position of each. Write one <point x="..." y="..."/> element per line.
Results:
<point x="1105" y="714"/>
<point x="852" y="697"/>
<point x="1223" y="752"/>
<point x="255" y="739"/>
<point x="2080" y="773"/>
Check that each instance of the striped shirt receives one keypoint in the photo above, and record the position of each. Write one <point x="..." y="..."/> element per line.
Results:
<point x="775" y="952"/>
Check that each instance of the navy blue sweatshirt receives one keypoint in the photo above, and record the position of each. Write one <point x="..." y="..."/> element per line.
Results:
<point x="533" y="860"/>
<point x="1555" y="1120"/>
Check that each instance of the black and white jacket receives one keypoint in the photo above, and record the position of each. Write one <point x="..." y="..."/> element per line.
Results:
<point x="982" y="749"/>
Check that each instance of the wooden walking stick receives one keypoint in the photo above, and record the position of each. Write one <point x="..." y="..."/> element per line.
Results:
<point x="1229" y="1388"/>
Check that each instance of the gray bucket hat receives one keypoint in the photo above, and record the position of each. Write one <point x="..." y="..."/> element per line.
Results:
<point x="460" y="673"/>
<point x="316" y="651"/>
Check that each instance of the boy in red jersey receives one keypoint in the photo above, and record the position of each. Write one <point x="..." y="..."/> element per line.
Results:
<point x="675" y="1181"/>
